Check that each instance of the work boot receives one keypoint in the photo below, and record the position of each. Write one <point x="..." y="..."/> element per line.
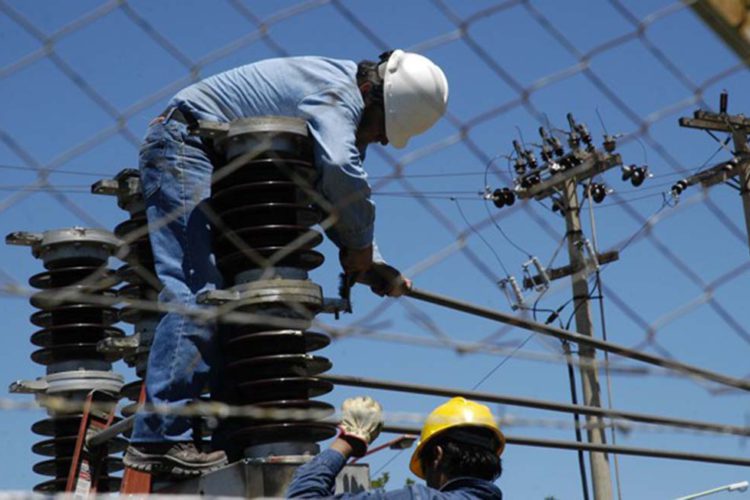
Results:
<point x="179" y="459"/>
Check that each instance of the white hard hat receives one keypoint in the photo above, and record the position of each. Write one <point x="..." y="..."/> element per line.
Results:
<point x="415" y="93"/>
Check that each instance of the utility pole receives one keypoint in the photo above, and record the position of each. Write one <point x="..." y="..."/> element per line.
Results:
<point x="557" y="177"/>
<point x="600" y="474"/>
<point x="738" y="167"/>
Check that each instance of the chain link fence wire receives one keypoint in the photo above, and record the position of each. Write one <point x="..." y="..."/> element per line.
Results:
<point x="80" y="81"/>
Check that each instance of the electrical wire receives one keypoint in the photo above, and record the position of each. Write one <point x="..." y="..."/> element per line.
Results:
<point x="463" y="216"/>
<point x="503" y="361"/>
<point x="576" y="419"/>
<point x="55" y="171"/>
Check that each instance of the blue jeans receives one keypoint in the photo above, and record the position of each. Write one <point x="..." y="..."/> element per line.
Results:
<point x="176" y="178"/>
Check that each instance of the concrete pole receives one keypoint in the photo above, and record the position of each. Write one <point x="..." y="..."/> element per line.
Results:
<point x="600" y="473"/>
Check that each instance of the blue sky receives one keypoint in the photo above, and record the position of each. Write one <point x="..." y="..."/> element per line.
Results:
<point x="61" y="105"/>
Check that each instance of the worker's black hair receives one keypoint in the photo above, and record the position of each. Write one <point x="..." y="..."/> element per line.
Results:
<point x="367" y="71"/>
<point x="462" y="458"/>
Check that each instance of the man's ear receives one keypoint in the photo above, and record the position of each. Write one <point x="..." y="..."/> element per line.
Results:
<point x="438" y="457"/>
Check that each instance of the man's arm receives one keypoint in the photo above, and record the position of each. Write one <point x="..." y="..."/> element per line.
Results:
<point x="333" y="116"/>
<point x="317" y="478"/>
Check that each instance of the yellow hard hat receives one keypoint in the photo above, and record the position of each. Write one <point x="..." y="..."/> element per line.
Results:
<point x="457" y="412"/>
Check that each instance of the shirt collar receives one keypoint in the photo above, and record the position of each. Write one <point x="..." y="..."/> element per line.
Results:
<point x="480" y="487"/>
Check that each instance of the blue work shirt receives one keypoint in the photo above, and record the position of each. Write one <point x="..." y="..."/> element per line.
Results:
<point x="323" y="92"/>
<point x="317" y="478"/>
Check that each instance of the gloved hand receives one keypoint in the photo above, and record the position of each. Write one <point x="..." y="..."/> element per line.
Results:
<point x="361" y="422"/>
<point x="384" y="280"/>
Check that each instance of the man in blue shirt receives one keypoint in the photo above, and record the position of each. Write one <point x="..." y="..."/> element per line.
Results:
<point x="458" y="454"/>
<point x="347" y="106"/>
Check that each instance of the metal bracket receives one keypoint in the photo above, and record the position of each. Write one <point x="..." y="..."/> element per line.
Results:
<point x="123" y="346"/>
<point x="29" y="386"/>
<point x="23" y="238"/>
<point x="267" y="292"/>
<point x="594" y="163"/>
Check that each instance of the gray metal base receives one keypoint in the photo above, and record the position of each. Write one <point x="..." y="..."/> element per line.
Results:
<point x="270" y="477"/>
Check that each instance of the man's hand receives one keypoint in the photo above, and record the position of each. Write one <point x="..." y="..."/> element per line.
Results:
<point x="361" y="422"/>
<point x="380" y="277"/>
<point x="385" y="280"/>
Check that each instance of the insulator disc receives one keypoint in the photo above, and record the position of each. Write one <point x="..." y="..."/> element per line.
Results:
<point x="276" y="342"/>
<point x="268" y="169"/>
<point x="75" y="313"/>
<point x="65" y="446"/>
<point x="283" y="432"/>
<point x="57" y="426"/>
<point x="131" y="390"/>
<point x="106" y="485"/>
<point x="284" y="388"/>
<point x="141" y="274"/>
<point x="97" y="278"/>
<point x="75" y="261"/>
<point x="60" y="466"/>
<point x="309" y="411"/>
<point x="75" y="332"/>
<point x="278" y="365"/>
<point x="260" y="192"/>
<point x="265" y="214"/>
<point x="264" y="236"/>
<point x="128" y="229"/>
<point x="70" y="352"/>
<point x="239" y="261"/>
<point x="49" y="299"/>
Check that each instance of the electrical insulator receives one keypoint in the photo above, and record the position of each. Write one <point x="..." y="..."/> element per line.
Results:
<point x="636" y="175"/>
<point x="585" y="136"/>
<point x="598" y="192"/>
<point x="723" y="102"/>
<point x="610" y="143"/>
<point x="557" y="206"/>
<point x="592" y="254"/>
<point x="552" y="141"/>
<point x="528" y="181"/>
<point x="679" y="187"/>
<point x="541" y="281"/>
<point x="530" y="159"/>
<point x="503" y="197"/>
<point x="574" y="138"/>
<point x="512" y="292"/>
<point x="520" y="164"/>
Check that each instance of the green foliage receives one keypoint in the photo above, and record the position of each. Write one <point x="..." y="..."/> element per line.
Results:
<point x="381" y="481"/>
<point x="409" y="482"/>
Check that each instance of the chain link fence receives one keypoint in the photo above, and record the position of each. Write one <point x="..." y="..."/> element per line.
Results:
<point x="81" y="81"/>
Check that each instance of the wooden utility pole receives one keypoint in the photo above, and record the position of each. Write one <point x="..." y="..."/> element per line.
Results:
<point x="600" y="474"/>
<point x="738" y="167"/>
<point x="559" y="178"/>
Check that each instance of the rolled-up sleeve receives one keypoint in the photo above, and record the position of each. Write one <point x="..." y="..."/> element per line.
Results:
<point x="333" y="116"/>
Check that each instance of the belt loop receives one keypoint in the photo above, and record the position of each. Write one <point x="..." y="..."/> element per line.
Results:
<point x="164" y="116"/>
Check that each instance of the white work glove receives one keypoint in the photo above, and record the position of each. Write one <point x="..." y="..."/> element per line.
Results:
<point x="361" y="422"/>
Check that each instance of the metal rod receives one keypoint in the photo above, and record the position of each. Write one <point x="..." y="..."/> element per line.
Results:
<point x="111" y="432"/>
<point x="534" y="403"/>
<point x="608" y="448"/>
<point x="559" y="333"/>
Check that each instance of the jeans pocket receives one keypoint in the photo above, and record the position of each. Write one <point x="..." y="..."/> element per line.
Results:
<point x="151" y="160"/>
